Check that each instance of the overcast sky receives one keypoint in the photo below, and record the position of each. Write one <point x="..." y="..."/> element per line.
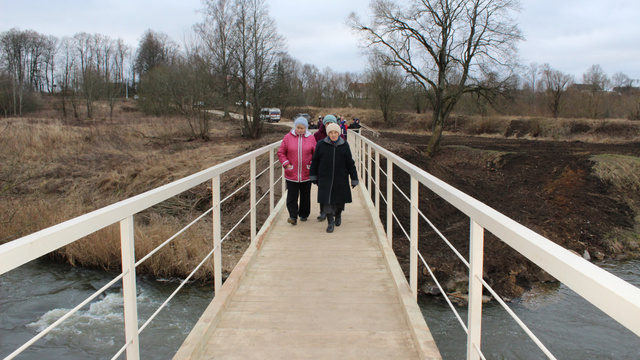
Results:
<point x="570" y="35"/>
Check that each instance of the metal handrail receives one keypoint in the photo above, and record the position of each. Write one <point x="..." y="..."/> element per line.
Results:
<point x="28" y="248"/>
<point x="366" y="128"/>
<point x="612" y="295"/>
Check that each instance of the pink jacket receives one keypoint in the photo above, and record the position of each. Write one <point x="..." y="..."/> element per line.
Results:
<point x="297" y="150"/>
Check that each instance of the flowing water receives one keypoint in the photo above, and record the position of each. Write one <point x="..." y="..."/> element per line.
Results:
<point x="569" y="326"/>
<point x="37" y="294"/>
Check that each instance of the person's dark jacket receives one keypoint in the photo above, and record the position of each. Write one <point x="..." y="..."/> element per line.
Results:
<point x="331" y="166"/>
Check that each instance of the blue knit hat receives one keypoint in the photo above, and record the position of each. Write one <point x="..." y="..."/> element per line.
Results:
<point x="301" y="121"/>
<point x="329" y="119"/>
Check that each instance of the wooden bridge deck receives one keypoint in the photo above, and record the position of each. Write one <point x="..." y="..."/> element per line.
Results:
<point x="301" y="293"/>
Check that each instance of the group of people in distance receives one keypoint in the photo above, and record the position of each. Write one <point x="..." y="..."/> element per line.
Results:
<point x="323" y="158"/>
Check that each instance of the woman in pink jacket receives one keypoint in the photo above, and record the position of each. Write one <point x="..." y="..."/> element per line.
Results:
<point x="295" y="155"/>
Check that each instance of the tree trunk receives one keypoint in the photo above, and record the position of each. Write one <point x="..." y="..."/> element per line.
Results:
<point x="433" y="146"/>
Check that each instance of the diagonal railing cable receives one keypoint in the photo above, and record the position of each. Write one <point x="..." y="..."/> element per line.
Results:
<point x="612" y="295"/>
<point x="459" y="255"/>
<point x="466" y="263"/>
<point x="186" y="280"/>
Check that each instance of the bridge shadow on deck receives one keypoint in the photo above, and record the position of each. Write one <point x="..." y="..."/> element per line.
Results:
<point x="302" y="293"/>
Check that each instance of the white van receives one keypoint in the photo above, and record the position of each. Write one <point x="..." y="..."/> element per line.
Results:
<point x="270" y="114"/>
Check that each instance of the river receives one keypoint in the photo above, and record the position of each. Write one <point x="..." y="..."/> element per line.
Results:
<point x="35" y="295"/>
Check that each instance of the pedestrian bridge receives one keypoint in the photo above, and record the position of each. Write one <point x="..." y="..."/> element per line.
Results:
<point x="301" y="293"/>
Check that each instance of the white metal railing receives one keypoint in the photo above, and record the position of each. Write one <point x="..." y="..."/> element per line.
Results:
<point x="364" y="129"/>
<point x="612" y="295"/>
<point x="28" y="248"/>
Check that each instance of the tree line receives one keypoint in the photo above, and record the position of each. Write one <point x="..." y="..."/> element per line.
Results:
<point x="455" y="54"/>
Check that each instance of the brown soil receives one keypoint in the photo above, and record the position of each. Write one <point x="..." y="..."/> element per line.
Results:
<point x="548" y="186"/>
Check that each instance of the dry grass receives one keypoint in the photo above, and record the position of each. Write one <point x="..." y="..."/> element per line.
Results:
<point x="623" y="173"/>
<point x="53" y="170"/>
<point x="489" y="159"/>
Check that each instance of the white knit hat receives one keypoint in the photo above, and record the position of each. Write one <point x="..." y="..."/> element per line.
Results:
<point x="333" y="127"/>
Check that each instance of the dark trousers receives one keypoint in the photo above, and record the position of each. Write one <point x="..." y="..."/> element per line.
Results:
<point x="301" y="190"/>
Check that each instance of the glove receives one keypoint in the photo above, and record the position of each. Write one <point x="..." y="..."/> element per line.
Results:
<point x="354" y="183"/>
<point x="314" y="179"/>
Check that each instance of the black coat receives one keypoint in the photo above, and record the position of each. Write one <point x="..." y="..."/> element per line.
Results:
<point x="331" y="166"/>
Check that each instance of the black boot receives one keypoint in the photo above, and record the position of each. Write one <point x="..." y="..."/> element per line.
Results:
<point x="322" y="216"/>
<point x="331" y="224"/>
<point x="338" y="218"/>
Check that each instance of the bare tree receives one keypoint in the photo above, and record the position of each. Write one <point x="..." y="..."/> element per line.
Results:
<point x="385" y="85"/>
<point x="65" y="77"/>
<point x="257" y="47"/>
<point x="285" y="85"/>
<point x="556" y="84"/>
<point x="50" y="52"/>
<point x="445" y="45"/>
<point x="216" y="33"/>
<point x="312" y="85"/>
<point x="598" y="82"/>
<point x="621" y="80"/>
<point x="14" y="44"/>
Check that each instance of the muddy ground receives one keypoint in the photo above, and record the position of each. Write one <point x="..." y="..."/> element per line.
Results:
<point x="548" y="186"/>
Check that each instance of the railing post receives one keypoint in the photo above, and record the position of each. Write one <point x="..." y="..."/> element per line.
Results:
<point x="354" y="148"/>
<point x="475" y="290"/>
<point x="127" y="248"/>
<point x="359" y="157"/>
<point x="369" y="175"/>
<point x="283" y="182"/>
<point x="363" y="161"/>
<point x="390" y="202"/>
<point x="271" y="179"/>
<point x="377" y="197"/>
<point x="413" y="253"/>
<point x="217" y="234"/>
<point x="253" y="199"/>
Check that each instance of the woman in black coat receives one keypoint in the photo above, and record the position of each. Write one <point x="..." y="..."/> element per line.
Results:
<point x="331" y="167"/>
